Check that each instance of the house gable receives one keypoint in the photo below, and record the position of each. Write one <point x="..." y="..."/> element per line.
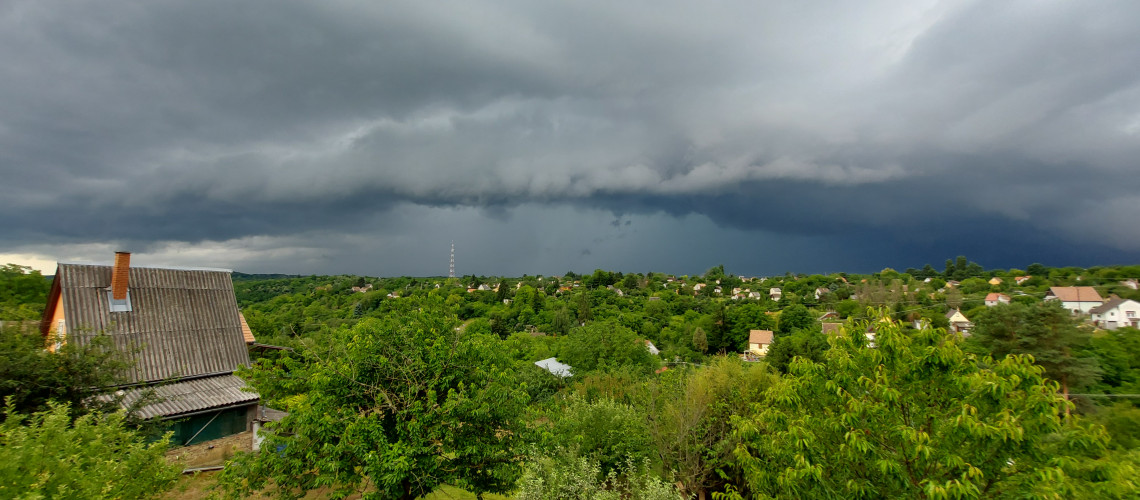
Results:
<point x="182" y="323"/>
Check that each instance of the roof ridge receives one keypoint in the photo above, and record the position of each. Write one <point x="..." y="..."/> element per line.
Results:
<point x="133" y="266"/>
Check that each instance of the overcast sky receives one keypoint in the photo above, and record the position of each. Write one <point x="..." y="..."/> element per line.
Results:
<point x="363" y="137"/>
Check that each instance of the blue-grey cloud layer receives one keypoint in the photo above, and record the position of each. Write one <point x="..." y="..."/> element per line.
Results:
<point x="905" y="131"/>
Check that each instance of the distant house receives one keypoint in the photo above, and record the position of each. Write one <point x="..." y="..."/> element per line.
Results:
<point x="1115" y="313"/>
<point x="831" y="328"/>
<point x="829" y="315"/>
<point x="759" y="341"/>
<point x="697" y="287"/>
<point x="755" y="295"/>
<point x="652" y="348"/>
<point x="995" y="281"/>
<point x="952" y="283"/>
<point x="1022" y="279"/>
<point x="820" y="292"/>
<point x="775" y="293"/>
<point x="181" y="327"/>
<point x="1131" y="283"/>
<point x="556" y="368"/>
<point x="1078" y="299"/>
<point x="959" y="323"/>
<point x="362" y="289"/>
<point x="995" y="298"/>
<point x="484" y="288"/>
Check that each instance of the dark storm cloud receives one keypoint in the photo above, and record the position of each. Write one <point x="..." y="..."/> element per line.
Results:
<point x="930" y="128"/>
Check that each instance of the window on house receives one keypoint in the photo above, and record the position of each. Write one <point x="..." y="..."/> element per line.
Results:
<point x="1131" y="314"/>
<point x="59" y="332"/>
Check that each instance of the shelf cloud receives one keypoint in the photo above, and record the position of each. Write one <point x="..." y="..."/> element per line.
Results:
<point x="889" y="132"/>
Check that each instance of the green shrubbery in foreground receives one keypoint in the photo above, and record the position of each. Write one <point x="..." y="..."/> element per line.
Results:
<point x="96" y="456"/>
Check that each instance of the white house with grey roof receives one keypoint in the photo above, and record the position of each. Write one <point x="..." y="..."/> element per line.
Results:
<point x="182" y="329"/>
<point x="1115" y="313"/>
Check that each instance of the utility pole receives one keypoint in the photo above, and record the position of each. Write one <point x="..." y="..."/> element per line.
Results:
<point x="451" y="271"/>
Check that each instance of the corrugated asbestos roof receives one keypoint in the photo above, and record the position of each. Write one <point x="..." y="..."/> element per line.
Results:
<point x="180" y="398"/>
<point x="184" y="323"/>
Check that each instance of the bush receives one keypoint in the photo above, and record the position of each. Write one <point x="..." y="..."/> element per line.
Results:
<point x="604" y="431"/>
<point x="564" y="475"/>
<point x="97" y="456"/>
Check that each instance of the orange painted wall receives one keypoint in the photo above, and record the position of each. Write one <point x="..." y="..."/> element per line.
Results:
<point x="56" y="328"/>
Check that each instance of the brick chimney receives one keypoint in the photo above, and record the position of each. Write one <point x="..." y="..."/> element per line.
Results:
<point x="119" y="275"/>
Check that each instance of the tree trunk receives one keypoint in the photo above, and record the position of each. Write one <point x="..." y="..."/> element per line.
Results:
<point x="1065" y="391"/>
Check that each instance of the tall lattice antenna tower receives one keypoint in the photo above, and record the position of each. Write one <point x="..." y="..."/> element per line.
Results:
<point x="451" y="271"/>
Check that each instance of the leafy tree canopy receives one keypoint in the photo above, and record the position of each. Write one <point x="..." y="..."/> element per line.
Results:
<point x="1044" y="330"/>
<point x="32" y="377"/>
<point x="97" y="456"/>
<point x="918" y="417"/>
<point x="404" y="405"/>
<point x="23" y="293"/>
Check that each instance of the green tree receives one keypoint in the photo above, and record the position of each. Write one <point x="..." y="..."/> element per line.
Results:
<point x="1118" y="356"/>
<point x="690" y="412"/>
<point x="847" y="308"/>
<point x="31" y="377"/>
<point x="713" y="274"/>
<point x="401" y="406"/>
<point x="917" y="417"/>
<point x="560" y="321"/>
<point x="953" y="298"/>
<point x="1045" y="331"/>
<point x="806" y="343"/>
<point x="700" y="340"/>
<point x="743" y="318"/>
<point x="605" y="345"/>
<point x="927" y="272"/>
<point x="603" y="430"/>
<point x="47" y="455"/>
<point x="630" y="282"/>
<point x="795" y="317"/>
<point x="585" y="308"/>
<point x="23" y="293"/>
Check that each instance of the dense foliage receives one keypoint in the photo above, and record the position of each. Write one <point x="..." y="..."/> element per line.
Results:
<point x="396" y="386"/>
<point x="23" y="293"/>
<point x="918" y="417"/>
<point x="32" y="377"/>
<point x="96" y="456"/>
<point x="403" y="405"/>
